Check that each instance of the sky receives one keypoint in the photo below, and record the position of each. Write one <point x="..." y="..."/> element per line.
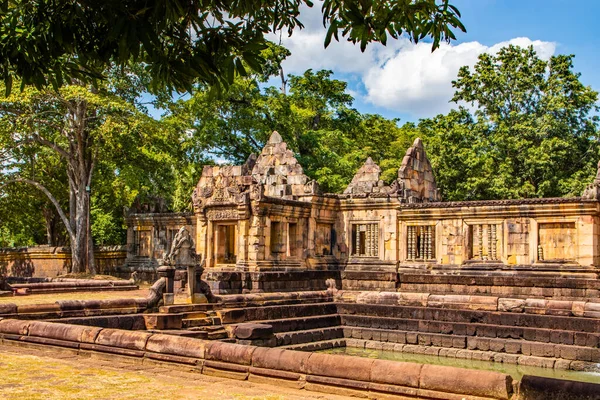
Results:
<point x="407" y="81"/>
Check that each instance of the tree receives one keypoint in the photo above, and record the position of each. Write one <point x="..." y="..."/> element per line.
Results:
<point x="314" y="115"/>
<point x="533" y="132"/>
<point x="82" y="126"/>
<point x="28" y="215"/>
<point x="186" y="41"/>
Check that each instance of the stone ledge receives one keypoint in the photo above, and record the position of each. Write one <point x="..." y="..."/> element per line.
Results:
<point x="235" y="361"/>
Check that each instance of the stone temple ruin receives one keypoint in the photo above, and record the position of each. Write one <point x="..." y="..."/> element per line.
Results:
<point x="264" y="226"/>
<point x="278" y="271"/>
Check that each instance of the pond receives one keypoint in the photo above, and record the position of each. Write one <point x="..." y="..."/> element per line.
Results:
<point x="516" y="371"/>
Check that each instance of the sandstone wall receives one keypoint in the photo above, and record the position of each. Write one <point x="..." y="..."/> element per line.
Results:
<point x="48" y="262"/>
<point x="520" y="232"/>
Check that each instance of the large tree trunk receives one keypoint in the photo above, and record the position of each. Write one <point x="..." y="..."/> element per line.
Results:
<point x="80" y="169"/>
<point x="54" y="234"/>
<point x="79" y="248"/>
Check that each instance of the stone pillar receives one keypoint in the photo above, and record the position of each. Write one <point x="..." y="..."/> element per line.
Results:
<point x="168" y="272"/>
<point x="242" y="240"/>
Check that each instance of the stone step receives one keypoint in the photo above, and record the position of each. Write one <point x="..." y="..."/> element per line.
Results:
<point x="182" y="333"/>
<point x="185" y="308"/>
<point x="314" y="346"/>
<point x="209" y="328"/>
<point x="217" y="335"/>
<point x="503" y="291"/>
<point x="303" y="323"/>
<point x="462" y="342"/>
<point x="567" y="337"/>
<point x="562" y="287"/>
<point x="308" y="336"/>
<point x="81" y="289"/>
<point x="467" y="316"/>
<point x="520" y="280"/>
<point x="243" y="314"/>
<point x="197" y="314"/>
<point x="193" y="322"/>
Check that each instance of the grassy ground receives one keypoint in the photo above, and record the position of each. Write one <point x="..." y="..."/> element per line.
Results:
<point x="52" y="297"/>
<point x="32" y="374"/>
<point x="180" y="298"/>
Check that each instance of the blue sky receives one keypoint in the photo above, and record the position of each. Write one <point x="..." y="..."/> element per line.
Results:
<point x="408" y="82"/>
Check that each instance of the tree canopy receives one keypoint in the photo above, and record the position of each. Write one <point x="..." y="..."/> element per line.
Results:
<point x="56" y="141"/>
<point x="533" y="133"/>
<point x="181" y="42"/>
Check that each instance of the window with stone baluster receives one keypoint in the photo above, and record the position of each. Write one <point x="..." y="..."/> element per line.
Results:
<point x="420" y="242"/>
<point x="365" y="240"/>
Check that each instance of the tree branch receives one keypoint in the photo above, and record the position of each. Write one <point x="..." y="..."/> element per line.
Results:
<point x="45" y="142"/>
<point x="50" y="197"/>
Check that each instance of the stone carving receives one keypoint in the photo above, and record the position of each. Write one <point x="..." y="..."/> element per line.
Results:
<point x="182" y="252"/>
<point x="592" y="192"/>
<point x="415" y="176"/>
<point x="415" y="183"/>
<point x="278" y="172"/>
<point x="367" y="182"/>
<point x="220" y="215"/>
<point x="147" y="205"/>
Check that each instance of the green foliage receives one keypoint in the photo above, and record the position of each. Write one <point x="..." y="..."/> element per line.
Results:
<point x="533" y="133"/>
<point x="132" y="154"/>
<point x="182" y="42"/>
<point x="331" y="139"/>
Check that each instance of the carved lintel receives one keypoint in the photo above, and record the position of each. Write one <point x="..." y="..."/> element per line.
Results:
<point x="223" y="214"/>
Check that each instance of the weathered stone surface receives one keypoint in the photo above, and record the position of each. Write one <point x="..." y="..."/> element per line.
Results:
<point x="8" y="308"/>
<point x="415" y="176"/>
<point x="396" y="373"/>
<point x="229" y="353"/>
<point x="14" y="326"/>
<point x="123" y="339"/>
<point x="337" y="366"/>
<point x="279" y="359"/>
<point x="472" y="382"/>
<point x="538" y="388"/>
<point x="253" y="331"/>
<point x="57" y="331"/>
<point x="176" y="345"/>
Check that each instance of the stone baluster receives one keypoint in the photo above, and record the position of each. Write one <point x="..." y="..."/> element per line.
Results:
<point x="428" y="242"/>
<point x="480" y="240"/>
<point x="411" y="244"/>
<point x="421" y="242"/>
<point x="489" y="242"/>
<point x="375" y="240"/>
<point x="357" y="243"/>
<point x="493" y="241"/>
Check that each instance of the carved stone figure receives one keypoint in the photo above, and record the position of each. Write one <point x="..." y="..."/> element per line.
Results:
<point x="592" y="191"/>
<point x="182" y="252"/>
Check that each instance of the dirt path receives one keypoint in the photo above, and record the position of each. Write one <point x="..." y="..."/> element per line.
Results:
<point x="50" y="374"/>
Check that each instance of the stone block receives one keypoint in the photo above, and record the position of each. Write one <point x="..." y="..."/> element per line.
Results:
<point x="251" y="331"/>
<point x="470" y="382"/>
<point x="540" y="362"/>
<point x="396" y="373"/>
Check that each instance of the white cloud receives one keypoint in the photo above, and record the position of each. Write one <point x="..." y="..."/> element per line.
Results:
<point x="401" y="76"/>
<point x="419" y="82"/>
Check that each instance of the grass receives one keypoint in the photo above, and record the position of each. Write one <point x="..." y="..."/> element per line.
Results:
<point x="28" y="377"/>
<point x="25" y="376"/>
<point x="52" y="297"/>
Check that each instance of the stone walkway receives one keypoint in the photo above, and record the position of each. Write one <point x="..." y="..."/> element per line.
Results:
<point x="50" y="374"/>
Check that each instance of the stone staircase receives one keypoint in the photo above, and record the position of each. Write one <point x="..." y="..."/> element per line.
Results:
<point x="528" y="339"/>
<point x="294" y="325"/>
<point x="190" y="320"/>
<point x="551" y="285"/>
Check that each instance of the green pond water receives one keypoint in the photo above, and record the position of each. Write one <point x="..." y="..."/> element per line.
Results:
<point x="516" y="371"/>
